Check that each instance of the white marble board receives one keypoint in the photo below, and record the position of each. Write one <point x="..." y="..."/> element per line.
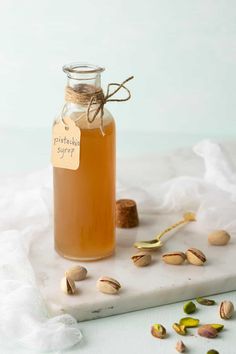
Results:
<point x="150" y="286"/>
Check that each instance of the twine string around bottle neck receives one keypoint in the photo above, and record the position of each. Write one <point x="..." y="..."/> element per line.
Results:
<point x="89" y="96"/>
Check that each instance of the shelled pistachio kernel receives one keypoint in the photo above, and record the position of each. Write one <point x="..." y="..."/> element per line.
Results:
<point x="76" y="273"/>
<point x="189" y="322"/>
<point x="158" y="331"/>
<point x="175" y="258"/>
<point x="108" y="285"/>
<point x="189" y="307"/>
<point x="219" y="327"/>
<point x="226" y="310"/>
<point x="180" y="346"/>
<point x="68" y="286"/>
<point x="141" y="259"/>
<point x="180" y="329"/>
<point x="213" y="351"/>
<point x="195" y="256"/>
<point x="218" y="238"/>
<point x="205" y="302"/>
<point x="207" y="331"/>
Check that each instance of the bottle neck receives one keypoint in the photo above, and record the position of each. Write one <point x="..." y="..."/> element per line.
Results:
<point x="77" y="81"/>
<point x="80" y="90"/>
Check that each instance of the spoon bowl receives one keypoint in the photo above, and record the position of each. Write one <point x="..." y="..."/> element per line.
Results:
<point x="151" y="245"/>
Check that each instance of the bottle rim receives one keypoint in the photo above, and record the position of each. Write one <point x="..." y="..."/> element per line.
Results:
<point x="81" y="68"/>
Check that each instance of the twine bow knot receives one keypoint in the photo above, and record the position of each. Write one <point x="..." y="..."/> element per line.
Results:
<point x="107" y="98"/>
<point x="89" y="96"/>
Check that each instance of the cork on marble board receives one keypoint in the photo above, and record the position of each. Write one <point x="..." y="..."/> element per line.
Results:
<point x="126" y="213"/>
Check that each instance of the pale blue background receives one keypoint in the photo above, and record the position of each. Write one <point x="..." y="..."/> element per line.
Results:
<point x="182" y="53"/>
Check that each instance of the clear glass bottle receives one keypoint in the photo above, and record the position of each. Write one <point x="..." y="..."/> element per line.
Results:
<point x="84" y="199"/>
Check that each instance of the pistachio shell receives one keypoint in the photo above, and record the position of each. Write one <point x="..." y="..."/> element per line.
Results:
<point x="218" y="238"/>
<point x="207" y="331"/>
<point x="158" y="331"/>
<point x="226" y="310"/>
<point x="189" y="307"/>
<point x="108" y="285"/>
<point x="195" y="256"/>
<point x="68" y="286"/>
<point x="180" y="329"/>
<point x="180" y="346"/>
<point x="206" y="302"/>
<point x="189" y="322"/>
<point x="142" y="259"/>
<point x="76" y="273"/>
<point x="175" y="258"/>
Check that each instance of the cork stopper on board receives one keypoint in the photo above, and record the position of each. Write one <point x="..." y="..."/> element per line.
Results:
<point x="126" y="213"/>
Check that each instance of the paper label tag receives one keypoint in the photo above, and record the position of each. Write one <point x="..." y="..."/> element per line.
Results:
<point x="66" y="144"/>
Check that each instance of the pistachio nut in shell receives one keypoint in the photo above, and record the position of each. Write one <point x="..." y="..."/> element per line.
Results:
<point x="207" y="331"/>
<point x="218" y="238"/>
<point x="175" y="258"/>
<point x="68" y="286"/>
<point x="108" y="285"/>
<point x="226" y="310"/>
<point x="189" y="307"/>
<point x="195" y="256"/>
<point x="141" y="259"/>
<point x="76" y="273"/>
<point x="180" y="346"/>
<point x="158" y="331"/>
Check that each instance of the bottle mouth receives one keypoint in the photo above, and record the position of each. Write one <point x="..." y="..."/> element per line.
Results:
<point x="73" y="69"/>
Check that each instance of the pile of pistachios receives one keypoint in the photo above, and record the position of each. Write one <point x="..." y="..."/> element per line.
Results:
<point x="212" y="330"/>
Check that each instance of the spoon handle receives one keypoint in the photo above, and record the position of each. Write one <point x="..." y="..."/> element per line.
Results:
<point x="178" y="223"/>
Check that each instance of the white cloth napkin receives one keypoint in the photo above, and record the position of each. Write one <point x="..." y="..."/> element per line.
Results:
<point x="212" y="196"/>
<point x="26" y="212"/>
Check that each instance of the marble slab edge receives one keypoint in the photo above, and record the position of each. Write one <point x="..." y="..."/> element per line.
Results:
<point x="115" y="304"/>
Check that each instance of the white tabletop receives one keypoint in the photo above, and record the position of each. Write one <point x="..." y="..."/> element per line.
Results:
<point x="127" y="333"/>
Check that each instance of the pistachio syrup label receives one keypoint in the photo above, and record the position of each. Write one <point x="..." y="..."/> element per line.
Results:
<point x="66" y="144"/>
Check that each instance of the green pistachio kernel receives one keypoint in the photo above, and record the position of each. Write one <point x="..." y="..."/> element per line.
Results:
<point x="206" y="302"/>
<point x="213" y="351"/>
<point x="217" y="326"/>
<point x="189" y="307"/>
<point x="180" y="329"/>
<point x="189" y="322"/>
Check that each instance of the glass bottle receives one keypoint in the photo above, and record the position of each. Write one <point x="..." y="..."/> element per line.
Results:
<point x="84" y="199"/>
